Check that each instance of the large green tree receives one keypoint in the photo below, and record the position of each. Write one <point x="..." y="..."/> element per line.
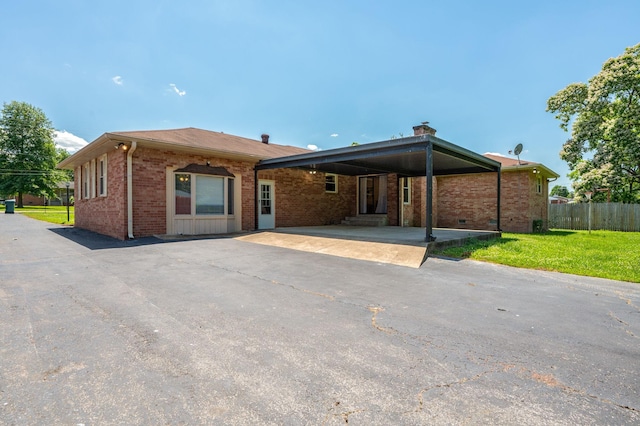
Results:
<point x="560" y="190"/>
<point x="604" y="149"/>
<point x="28" y="154"/>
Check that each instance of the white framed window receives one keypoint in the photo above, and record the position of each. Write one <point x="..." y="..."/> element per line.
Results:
<point x="77" y="173"/>
<point x="93" y="178"/>
<point x="406" y="190"/>
<point x="331" y="183"/>
<point x="102" y="176"/>
<point x="85" y="181"/>
<point x="539" y="184"/>
<point x="203" y="195"/>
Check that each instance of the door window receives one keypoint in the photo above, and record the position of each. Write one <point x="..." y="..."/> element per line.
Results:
<point x="265" y="199"/>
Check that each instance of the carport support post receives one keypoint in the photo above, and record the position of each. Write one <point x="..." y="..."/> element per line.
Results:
<point x="429" y="194"/>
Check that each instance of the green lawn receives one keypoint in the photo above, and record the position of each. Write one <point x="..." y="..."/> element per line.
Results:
<point x="53" y="214"/>
<point x="605" y="254"/>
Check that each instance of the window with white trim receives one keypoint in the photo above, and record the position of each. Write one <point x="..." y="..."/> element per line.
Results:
<point x="85" y="181"/>
<point x="406" y="190"/>
<point x="331" y="183"/>
<point x="102" y="176"/>
<point x="203" y="195"/>
<point x="539" y="184"/>
<point x="92" y="183"/>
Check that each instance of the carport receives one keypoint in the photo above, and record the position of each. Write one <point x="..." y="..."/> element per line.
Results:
<point x="415" y="156"/>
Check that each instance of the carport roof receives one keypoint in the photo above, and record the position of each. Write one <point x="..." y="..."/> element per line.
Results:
<point x="405" y="156"/>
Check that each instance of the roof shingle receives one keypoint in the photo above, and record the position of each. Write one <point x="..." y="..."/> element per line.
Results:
<point x="191" y="137"/>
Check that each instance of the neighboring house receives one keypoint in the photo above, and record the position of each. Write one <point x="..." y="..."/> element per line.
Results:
<point x="558" y="199"/>
<point x="191" y="181"/>
<point x="60" y="198"/>
<point x="524" y="186"/>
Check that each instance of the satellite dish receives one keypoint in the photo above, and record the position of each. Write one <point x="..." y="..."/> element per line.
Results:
<point x="518" y="149"/>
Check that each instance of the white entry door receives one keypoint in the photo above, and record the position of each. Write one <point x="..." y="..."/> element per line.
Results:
<point x="266" y="204"/>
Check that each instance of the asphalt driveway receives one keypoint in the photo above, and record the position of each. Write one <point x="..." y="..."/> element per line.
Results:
<point x="224" y="331"/>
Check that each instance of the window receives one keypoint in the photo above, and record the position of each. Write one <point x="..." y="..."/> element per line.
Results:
<point x="85" y="181"/>
<point x="539" y="184"/>
<point x="204" y="195"/>
<point x="406" y="190"/>
<point x="183" y="194"/>
<point x="102" y="176"/>
<point x="209" y="195"/>
<point x="92" y="181"/>
<point x="230" y="198"/>
<point x="265" y="199"/>
<point x="331" y="183"/>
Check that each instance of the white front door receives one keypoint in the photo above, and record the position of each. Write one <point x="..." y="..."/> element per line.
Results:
<point x="266" y="204"/>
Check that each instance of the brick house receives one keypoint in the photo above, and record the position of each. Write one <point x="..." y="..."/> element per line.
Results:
<point x="464" y="202"/>
<point x="60" y="198"/>
<point x="191" y="181"/>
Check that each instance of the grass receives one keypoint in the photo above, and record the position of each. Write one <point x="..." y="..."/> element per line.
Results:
<point x="52" y="214"/>
<point x="604" y="254"/>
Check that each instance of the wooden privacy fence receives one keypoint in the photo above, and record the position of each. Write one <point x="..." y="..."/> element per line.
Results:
<point x="606" y="216"/>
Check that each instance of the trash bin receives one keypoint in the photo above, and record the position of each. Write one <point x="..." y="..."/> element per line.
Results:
<point x="9" y="205"/>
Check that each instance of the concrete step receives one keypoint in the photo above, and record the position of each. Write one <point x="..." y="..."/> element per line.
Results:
<point x="366" y="220"/>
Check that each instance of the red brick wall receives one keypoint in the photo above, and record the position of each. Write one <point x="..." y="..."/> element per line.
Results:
<point x="108" y="215"/>
<point x="415" y="213"/>
<point x="393" y="203"/>
<point x="301" y="199"/>
<point x="472" y="199"/>
<point x="150" y="181"/>
<point x="105" y="215"/>
<point x="32" y="200"/>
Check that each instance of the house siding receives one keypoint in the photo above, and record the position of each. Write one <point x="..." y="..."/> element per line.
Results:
<point x="469" y="201"/>
<point x="150" y="180"/>
<point x="301" y="199"/>
<point x="104" y="215"/>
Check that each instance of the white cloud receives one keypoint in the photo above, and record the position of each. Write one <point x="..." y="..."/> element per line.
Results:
<point x="494" y="153"/>
<point x="313" y="147"/>
<point x="68" y="141"/>
<point x="178" y="91"/>
<point x="117" y="80"/>
<point x="334" y="135"/>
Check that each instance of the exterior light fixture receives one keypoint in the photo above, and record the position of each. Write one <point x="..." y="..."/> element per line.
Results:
<point x="121" y="145"/>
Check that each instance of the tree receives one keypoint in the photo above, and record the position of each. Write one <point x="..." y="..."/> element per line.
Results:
<point x="604" y="149"/>
<point x="560" y="190"/>
<point x="28" y="154"/>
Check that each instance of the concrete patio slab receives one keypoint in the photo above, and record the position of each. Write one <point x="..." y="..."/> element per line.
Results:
<point x="404" y="246"/>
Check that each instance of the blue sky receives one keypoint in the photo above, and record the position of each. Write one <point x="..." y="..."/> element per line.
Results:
<point x="312" y="73"/>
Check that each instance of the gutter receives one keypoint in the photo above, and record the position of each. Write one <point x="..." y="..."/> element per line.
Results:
<point x="130" y="190"/>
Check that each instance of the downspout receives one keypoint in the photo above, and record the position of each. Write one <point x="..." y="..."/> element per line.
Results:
<point x="130" y="190"/>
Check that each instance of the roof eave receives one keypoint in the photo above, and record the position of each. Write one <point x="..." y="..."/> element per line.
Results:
<point x="97" y="147"/>
<point x="530" y="166"/>
<point x="408" y="142"/>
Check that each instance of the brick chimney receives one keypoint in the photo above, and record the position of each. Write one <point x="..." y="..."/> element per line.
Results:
<point x="424" y="129"/>
<point x="265" y="138"/>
